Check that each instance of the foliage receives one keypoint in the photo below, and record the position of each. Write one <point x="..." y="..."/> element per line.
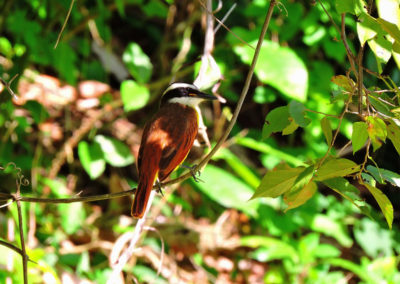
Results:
<point x="299" y="193"/>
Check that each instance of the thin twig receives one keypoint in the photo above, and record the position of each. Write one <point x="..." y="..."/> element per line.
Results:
<point x="7" y="85"/>
<point x="6" y="196"/>
<point x="21" y="237"/>
<point x="225" y="17"/>
<point x="222" y="24"/>
<point x="65" y="23"/>
<point x="336" y="133"/>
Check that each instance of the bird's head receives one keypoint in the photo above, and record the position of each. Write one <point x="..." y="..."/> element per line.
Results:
<point x="186" y="94"/>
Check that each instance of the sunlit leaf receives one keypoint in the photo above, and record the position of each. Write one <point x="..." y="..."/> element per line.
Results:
<point x="354" y="7"/>
<point x="359" y="135"/>
<point x="336" y="168"/>
<point x="333" y="228"/>
<point x="273" y="248"/>
<point x="280" y="67"/>
<point x="326" y="129"/>
<point x="390" y="28"/>
<point x="276" y="120"/>
<point x="383" y="202"/>
<point x="297" y="110"/>
<point x="227" y="190"/>
<point x="115" y="152"/>
<point x="277" y="182"/>
<point x="393" y="133"/>
<point x="291" y="127"/>
<point x="374" y="239"/>
<point x="367" y="28"/>
<point x="137" y="62"/>
<point x="270" y="150"/>
<point x="72" y="217"/>
<point x="298" y="197"/>
<point x="344" y="82"/>
<point x="376" y="131"/>
<point x="134" y="96"/>
<point x="91" y="157"/>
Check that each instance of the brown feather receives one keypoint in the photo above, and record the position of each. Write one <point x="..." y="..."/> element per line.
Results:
<point x="166" y="141"/>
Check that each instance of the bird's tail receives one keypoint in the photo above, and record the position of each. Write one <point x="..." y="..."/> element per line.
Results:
<point x="142" y="196"/>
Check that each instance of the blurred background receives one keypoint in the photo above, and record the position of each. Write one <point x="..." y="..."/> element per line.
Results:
<point x="76" y="125"/>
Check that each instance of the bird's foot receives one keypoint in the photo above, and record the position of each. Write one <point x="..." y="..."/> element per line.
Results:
<point x="159" y="188"/>
<point x="194" y="172"/>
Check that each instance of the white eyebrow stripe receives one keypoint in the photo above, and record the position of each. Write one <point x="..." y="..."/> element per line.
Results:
<point x="180" y="85"/>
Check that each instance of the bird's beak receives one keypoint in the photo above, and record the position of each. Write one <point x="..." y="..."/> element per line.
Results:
<point x="205" y="96"/>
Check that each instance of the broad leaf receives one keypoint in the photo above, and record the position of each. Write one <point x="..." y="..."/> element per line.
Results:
<point x="382" y="175"/>
<point x="327" y="129"/>
<point x="280" y="67"/>
<point x="359" y="135"/>
<point x="92" y="159"/>
<point x="276" y="120"/>
<point x="336" y="168"/>
<point x="298" y="197"/>
<point x="227" y="190"/>
<point x="393" y="133"/>
<point x="344" y="82"/>
<point x="297" y="110"/>
<point x="134" y="96"/>
<point x="376" y="131"/>
<point x="354" y="7"/>
<point x="291" y="127"/>
<point x="115" y="152"/>
<point x="277" y="182"/>
<point x="383" y="202"/>
<point x="137" y="62"/>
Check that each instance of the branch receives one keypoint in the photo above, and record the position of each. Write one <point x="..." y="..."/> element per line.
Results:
<point x="7" y="85"/>
<point x="65" y="23"/>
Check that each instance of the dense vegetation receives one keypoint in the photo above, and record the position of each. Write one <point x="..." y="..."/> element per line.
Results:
<point x="316" y="145"/>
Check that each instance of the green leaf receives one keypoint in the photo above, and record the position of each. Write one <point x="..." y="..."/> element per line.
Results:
<point x="268" y="149"/>
<point x="297" y="110"/>
<point x="240" y="168"/>
<point x="134" y="96"/>
<point x="336" y="168"/>
<point x="276" y="249"/>
<point x="91" y="157"/>
<point x="390" y="28"/>
<point x="382" y="175"/>
<point x="327" y="129"/>
<point x="393" y="133"/>
<point x="382" y="48"/>
<point x="377" y="131"/>
<point x="354" y="7"/>
<point x="373" y="239"/>
<point x="367" y="28"/>
<point x="359" y="135"/>
<point x="344" y="82"/>
<point x="298" y="197"/>
<point x="291" y="127"/>
<point x="137" y="62"/>
<point x="38" y="112"/>
<point x="383" y="202"/>
<point x="277" y="182"/>
<point x="343" y="187"/>
<point x="276" y="120"/>
<point x="227" y="190"/>
<point x="72" y="217"/>
<point x="115" y="152"/>
<point x="333" y="228"/>
<point x="278" y="66"/>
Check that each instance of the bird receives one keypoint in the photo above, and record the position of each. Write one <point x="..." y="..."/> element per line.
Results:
<point x="167" y="139"/>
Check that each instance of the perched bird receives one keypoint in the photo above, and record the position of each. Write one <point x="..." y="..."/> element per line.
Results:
<point x="167" y="139"/>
